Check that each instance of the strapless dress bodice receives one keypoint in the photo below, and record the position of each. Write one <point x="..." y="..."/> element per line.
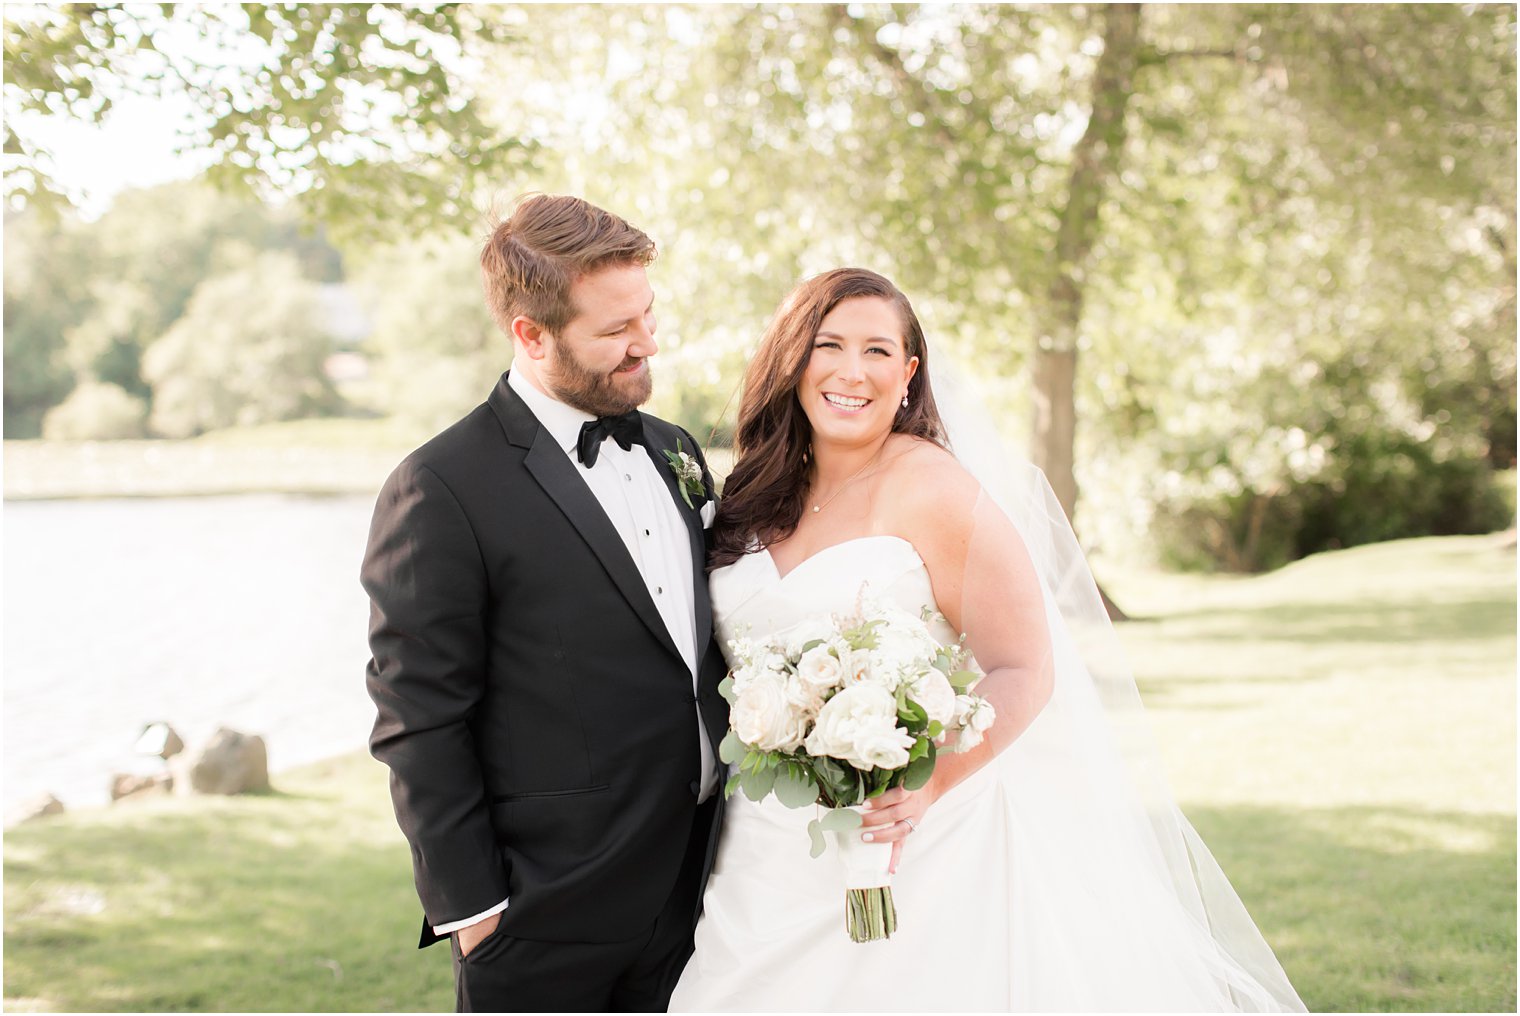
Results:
<point x="752" y="599"/>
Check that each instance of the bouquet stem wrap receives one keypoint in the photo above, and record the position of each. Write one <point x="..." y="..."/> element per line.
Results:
<point x="870" y="914"/>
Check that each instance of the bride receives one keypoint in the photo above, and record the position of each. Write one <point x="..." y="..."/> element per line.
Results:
<point x="1047" y="869"/>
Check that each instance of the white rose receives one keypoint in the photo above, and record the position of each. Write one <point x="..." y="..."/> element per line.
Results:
<point x="859" y="726"/>
<point x="764" y="718"/>
<point x="871" y="667"/>
<point x="932" y="691"/>
<point x="882" y="744"/>
<point x="804" y="697"/>
<point x="820" y="668"/>
<point x="976" y="718"/>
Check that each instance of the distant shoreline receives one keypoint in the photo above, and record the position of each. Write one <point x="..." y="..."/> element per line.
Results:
<point x="47" y="470"/>
<point x="306" y="458"/>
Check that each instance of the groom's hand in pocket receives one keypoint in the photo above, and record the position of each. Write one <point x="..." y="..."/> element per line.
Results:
<point x="473" y="935"/>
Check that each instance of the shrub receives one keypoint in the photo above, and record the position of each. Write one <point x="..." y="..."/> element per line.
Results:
<point x="1384" y="487"/>
<point x="94" y="411"/>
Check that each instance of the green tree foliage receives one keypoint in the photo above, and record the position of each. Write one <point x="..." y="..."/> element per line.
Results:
<point x="1250" y="247"/>
<point x="84" y="300"/>
<point x="362" y="108"/>
<point x="1234" y="256"/>
<point x="248" y="349"/>
<point x="436" y="351"/>
<point x="97" y="411"/>
<point x="46" y="293"/>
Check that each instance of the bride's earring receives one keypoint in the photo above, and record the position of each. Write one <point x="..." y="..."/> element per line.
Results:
<point x="905" y="400"/>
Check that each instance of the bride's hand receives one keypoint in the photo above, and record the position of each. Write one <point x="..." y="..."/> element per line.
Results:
<point x="891" y="818"/>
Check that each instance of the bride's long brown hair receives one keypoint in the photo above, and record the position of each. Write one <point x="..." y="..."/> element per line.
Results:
<point x="762" y="497"/>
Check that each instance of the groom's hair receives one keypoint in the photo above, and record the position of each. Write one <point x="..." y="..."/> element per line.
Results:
<point x="547" y="242"/>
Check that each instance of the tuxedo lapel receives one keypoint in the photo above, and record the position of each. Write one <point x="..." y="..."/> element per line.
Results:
<point x="693" y="520"/>
<point x="556" y="474"/>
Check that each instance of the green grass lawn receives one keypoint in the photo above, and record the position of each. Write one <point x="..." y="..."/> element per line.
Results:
<point x="1342" y="733"/>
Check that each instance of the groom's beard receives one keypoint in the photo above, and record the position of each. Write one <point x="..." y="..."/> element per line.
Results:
<point x="597" y="392"/>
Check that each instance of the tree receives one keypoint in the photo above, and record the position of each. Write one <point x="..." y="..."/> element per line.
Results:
<point x="1172" y="194"/>
<point x="437" y="352"/>
<point x="45" y="295"/>
<point x="248" y="349"/>
<point x="364" y="109"/>
<point x="84" y="299"/>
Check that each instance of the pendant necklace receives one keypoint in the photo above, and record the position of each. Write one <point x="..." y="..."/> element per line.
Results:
<point x="871" y="462"/>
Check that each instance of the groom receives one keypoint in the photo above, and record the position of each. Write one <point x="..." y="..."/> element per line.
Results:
<point x="544" y="668"/>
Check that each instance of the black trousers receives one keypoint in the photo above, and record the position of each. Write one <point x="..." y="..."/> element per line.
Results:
<point x="506" y="974"/>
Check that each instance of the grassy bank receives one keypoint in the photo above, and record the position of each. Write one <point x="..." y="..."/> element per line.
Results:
<point x="313" y="457"/>
<point x="1341" y="732"/>
<point x="332" y="456"/>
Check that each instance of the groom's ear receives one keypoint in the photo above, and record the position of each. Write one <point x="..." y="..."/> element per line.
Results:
<point x="529" y="335"/>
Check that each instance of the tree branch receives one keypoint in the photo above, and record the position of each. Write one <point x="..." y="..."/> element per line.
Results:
<point x="919" y="95"/>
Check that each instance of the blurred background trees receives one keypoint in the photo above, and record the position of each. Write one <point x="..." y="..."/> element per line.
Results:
<point x="1241" y="278"/>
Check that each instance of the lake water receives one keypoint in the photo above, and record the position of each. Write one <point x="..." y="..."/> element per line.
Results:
<point x="242" y="611"/>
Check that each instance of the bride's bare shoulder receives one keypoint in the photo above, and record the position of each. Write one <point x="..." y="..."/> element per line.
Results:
<point x="928" y="484"/>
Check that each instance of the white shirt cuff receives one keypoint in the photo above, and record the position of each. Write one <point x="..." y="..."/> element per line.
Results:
<point x="444" y="929"/>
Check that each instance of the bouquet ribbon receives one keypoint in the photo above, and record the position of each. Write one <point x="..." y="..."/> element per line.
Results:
<point x="866" y="865"/>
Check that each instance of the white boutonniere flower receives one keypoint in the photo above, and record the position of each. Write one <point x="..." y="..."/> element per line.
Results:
<point x="688" y="474"/>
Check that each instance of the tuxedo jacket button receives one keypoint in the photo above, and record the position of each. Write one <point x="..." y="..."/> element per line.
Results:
<point x="696" y="788"/>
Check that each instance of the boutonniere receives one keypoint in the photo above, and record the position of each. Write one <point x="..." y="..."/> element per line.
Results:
<point x="688" y="474"/>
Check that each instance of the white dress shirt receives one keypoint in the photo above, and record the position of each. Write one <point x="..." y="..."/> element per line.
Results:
<point x="640" y="507"/>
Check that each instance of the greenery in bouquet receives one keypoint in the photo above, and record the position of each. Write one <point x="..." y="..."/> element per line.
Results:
<point x="836" y="711"/>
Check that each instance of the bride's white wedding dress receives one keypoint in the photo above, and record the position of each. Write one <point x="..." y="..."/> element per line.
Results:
<point x="996" y="910"/>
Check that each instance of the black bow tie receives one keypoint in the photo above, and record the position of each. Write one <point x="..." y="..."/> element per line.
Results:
<point x="627" y="430"/>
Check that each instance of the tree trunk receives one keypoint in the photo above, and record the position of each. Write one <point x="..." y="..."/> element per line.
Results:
<point x="1095" y="161"/>
<point x="1055" y="420"/>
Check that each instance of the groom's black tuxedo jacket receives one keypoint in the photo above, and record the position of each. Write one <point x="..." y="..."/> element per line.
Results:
<point x="537" y="718"/>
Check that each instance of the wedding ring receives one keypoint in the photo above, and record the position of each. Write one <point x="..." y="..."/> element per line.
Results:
<point x="912" y="826"/>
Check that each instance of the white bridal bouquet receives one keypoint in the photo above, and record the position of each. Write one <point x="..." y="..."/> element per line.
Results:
<point x="837" y="711"/>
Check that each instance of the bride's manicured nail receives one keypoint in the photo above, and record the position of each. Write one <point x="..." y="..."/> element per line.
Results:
<point x="868" y="837"/>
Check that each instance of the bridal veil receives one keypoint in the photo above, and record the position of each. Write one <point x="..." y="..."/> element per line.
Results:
<point x="1114" y="901"/>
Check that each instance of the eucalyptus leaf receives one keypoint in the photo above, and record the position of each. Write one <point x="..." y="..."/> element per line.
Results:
<point x="815" y="830"/>
<point x="726" y="689"/>
<point x="756" y="784"/>
<point x="919" y="770"/>
<point x="731" y="749"/>
<point x="795" y="787"/>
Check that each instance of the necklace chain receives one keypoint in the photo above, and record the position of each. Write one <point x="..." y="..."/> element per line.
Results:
<point x="871" y="462"/>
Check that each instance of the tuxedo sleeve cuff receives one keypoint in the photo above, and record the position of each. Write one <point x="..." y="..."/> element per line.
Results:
<point x="452" y="926"/>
